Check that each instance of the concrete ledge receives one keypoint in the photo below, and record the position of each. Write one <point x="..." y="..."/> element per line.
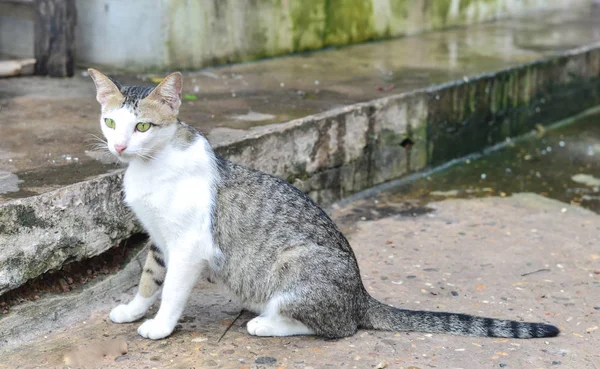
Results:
<point x="334" y="154"/>
<point x="75" y="222"/>
<point x="24" y="321"/>
<point x="328" y="155"/>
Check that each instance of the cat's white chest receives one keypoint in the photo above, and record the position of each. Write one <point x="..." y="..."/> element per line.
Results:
<point x="147" y="192"/>
<point x="173" y="198"/>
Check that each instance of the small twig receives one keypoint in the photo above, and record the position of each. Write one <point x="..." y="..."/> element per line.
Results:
<point x="230" y="325"/>
<point x="124" y="248"/>
<point x="536" y="271"/>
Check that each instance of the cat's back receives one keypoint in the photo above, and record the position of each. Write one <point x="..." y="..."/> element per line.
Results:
<point x="271" y="236"/>
<point x="269" y="211"/>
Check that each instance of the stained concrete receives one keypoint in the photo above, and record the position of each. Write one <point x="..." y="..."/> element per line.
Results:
<point x="328" y="155"/>
<point x="523" y="257"/>
<point x="48" y="125"/>
<point x="194" y="34"/>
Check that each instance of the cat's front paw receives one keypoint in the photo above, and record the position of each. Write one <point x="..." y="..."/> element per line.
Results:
<point x="155" y="329"/>
<point x="125" y="314"/>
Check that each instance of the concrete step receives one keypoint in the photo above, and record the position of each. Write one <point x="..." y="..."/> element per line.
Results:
<point x="330" y="122"/>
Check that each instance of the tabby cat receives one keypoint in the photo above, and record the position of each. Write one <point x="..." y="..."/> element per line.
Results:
<point x="260" y="238"/>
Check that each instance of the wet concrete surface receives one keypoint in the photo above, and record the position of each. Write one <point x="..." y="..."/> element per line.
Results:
<point x="47" y="125"/>
<point x="522" y="257"/>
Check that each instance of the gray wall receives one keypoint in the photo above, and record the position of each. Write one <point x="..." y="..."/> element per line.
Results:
<point x="16" y="30"/>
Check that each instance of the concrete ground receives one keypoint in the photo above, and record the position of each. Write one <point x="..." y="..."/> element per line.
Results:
<point x="522" y="257"/>
<point x="47" y="125"/>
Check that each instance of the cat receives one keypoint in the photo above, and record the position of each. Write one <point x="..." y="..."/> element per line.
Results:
<point x="259" y="237"/>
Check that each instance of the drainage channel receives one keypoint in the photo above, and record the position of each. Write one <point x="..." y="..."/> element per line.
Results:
<point x="560" y="162"/>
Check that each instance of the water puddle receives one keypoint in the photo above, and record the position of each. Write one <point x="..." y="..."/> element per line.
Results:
<point x="8" y="182"/>
<point x="253" y="116"/>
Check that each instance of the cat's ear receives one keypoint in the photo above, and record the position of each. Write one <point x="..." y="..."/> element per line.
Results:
<point x="168" y="92"/>
<point x="106" y="90"/>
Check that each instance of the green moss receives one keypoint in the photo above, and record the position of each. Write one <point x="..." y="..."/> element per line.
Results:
<point x="419" y="151"/>
<point x="297" y="172"/>
<point x="439" y="12"/>
<point x="507" y="91"/>
<point x="389" y="137"/>
<point x="308" y="24"/>
<point x="464" y="4"/>
<point x="26" y="217"/>
<point x="303" y="176"/>
<point x="12" y="218"/>
<point x="400" y="8"/>
<point x="472" y="98"/>
<point x="496" y="97"/>
<point x="348" y="21"/>
<point x="527" y="85"/>
<point x="514" y="89"/>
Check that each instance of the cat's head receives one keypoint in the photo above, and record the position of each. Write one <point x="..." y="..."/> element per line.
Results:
<point x="137" y="121"/>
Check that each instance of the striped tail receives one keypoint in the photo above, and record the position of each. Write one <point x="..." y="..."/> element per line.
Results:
<point x="388" y="318"/>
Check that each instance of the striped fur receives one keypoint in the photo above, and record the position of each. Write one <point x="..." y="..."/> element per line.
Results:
<point x="154" y="272"/>
<point x="385" y="317"/>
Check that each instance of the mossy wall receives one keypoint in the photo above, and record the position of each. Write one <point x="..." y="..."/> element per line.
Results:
<point x="184" y="34"/>
<point x="348" y="150"/>
<point x="205" y="33"/>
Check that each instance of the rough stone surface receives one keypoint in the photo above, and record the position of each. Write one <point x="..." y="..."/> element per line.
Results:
<point x="328" y="155"/>
<point x="476" y="256"/>
<point x="76" y="222"/>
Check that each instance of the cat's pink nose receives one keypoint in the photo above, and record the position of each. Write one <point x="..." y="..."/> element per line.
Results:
<point x="120" y="148"/>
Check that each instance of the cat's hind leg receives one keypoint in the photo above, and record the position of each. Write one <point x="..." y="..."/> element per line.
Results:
<point x="148" y="292"/>
<point x="277" y="325"/>
<point x="272" y="323"/>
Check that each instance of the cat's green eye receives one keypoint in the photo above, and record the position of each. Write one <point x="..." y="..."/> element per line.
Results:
<point x="142" y="127"/>
<point x="109" y="123"/>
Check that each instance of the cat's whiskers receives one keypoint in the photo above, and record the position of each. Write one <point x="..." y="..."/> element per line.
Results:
<point x="96" y="143"/>
<point x="146" y="154"/>
<point x="96" y="147"/>
<point x="96" y="138"/>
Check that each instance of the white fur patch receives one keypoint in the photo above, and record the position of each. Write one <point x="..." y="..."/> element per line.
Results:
<point x="134" y="310"/>
<point x="125" y="122"/>
<point x="271" y="323"/>
<point x="277" y="326"/>
<point x="173" y="196"/>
